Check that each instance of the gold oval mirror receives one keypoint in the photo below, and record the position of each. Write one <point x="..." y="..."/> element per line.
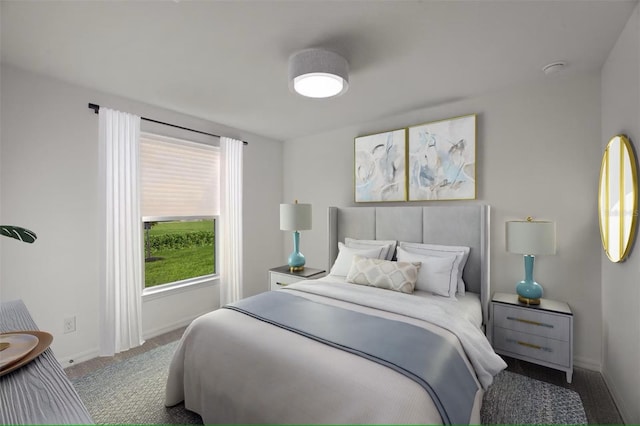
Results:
<point x="618" y="198"/>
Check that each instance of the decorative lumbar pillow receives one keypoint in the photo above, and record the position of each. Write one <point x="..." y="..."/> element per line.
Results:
<point x="387" y="253"/>
<point x="461" y="252"/>
<point x="437" y="275"/>
<point x="345" y="256"/>
<point x="397" y="276"/>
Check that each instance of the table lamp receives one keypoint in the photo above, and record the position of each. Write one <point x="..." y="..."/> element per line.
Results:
<point x="530" y="238"/>
<point x="295" y="217"/>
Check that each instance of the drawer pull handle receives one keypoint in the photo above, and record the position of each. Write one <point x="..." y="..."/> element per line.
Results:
<point x="530" y="345"/>
<point x="541" y="324"/>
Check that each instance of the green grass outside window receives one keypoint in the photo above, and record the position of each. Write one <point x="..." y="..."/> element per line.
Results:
<point x="190" y="261"/>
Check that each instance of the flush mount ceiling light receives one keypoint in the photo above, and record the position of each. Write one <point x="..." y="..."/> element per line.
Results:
<point x="318" y="73"/>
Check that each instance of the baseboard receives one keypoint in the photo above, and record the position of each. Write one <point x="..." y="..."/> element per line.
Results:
<point x="170" y="327"/>
<point x="615" y="394"/>
<point x="588" y="364"/>
<point x="71" y="360"/>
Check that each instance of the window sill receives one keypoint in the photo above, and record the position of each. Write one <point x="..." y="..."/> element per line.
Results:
<point x="179" y="287"/>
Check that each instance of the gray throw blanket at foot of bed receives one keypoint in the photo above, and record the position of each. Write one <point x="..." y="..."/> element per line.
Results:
<point x="425" y="357"/>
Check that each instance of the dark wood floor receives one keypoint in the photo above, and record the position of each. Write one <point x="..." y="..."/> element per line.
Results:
<point x="590" y="385"/>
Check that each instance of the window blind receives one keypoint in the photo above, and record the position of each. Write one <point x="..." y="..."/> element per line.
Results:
<point x="178" y="177"/>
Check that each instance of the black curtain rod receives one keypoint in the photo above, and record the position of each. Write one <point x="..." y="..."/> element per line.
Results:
<point x="96" y="108"/>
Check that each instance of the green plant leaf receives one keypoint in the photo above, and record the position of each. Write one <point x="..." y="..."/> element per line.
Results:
<point x="18" y="233"/>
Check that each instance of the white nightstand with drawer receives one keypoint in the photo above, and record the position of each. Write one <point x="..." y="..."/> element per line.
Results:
<point x="282" y="276"/>
<point x="541" y="334"/>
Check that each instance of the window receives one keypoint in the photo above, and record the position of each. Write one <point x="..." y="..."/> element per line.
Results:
<point x="179" y="207"/>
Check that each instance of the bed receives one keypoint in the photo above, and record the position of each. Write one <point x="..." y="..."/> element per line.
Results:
<point x="331" y="351"/>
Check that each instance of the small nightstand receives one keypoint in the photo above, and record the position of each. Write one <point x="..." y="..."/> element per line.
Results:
<point x="541" y="334"/>
<point x="282" y="276"/>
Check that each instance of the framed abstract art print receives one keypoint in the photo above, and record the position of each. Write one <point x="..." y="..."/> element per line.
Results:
<point x="442" y="160"/>
<point x="379" y="170"/>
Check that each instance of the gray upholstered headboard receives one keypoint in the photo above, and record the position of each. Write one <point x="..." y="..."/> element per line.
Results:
<point x="466" y="225"/>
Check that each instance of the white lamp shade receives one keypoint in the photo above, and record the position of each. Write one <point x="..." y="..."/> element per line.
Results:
<point x="531" y="237"/>
<point x="318" y="73"/>
<point x="295" y="217"/>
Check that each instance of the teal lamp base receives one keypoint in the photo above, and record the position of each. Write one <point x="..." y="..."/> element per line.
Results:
<point x="528" y="290"/>
<point x="296" y="259"/>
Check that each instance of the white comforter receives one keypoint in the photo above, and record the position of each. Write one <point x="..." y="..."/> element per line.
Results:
<point x="231" y="368"/>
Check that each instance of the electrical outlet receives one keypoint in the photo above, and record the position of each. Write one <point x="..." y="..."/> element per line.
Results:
<point x="70" y="324"/>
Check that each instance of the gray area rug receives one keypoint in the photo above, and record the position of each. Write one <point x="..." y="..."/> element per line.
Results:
<point x="132" y="391"/>
<point x="517" y="399"/>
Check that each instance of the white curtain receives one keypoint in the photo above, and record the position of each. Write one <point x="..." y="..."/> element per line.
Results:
<point x="120" y="232"/>
<point x="230" y="220"/>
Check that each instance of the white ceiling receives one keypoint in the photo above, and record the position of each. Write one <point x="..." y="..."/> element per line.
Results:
<point x="226" y="61"/>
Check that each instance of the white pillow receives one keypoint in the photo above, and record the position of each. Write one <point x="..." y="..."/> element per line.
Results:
<point x="437" y="274"/>
<point x="345" y="257"/>
<point x="389" y="251"/>
<point x="461" y="252"/>
<point x="396" y="276"/>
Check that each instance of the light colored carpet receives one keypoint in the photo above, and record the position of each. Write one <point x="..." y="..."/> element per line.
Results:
<point x="132" y="391"/>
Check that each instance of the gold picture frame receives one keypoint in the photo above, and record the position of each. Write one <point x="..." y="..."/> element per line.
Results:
<point x="441" y="160"/>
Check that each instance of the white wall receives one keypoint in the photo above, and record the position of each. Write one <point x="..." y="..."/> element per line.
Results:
<point x="620" y="283"/>
<point x="538" y="153"/>
<point x="48" y="182"/>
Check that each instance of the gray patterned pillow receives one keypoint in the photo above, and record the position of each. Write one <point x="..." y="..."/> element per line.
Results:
<point x="397" y="276"/>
